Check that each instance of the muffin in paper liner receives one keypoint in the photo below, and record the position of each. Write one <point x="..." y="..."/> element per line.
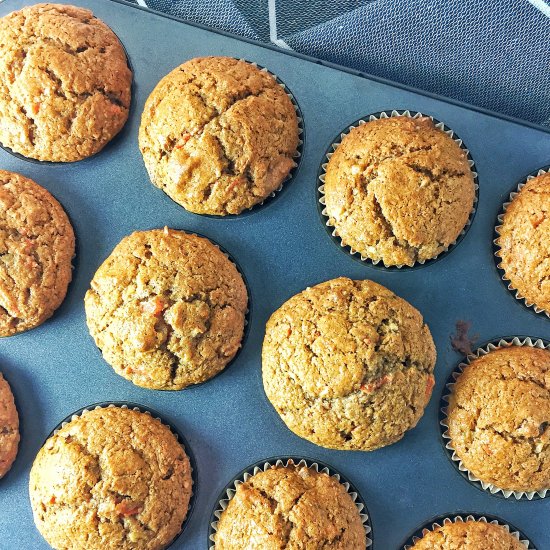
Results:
<point x="248" y="313"/>
<point x="151" y="412"/>
<point x="297" y="154"/>
<point x="332" y="231"/>
<point x="500" y="217"/>
<point x="446" y="439"/>
<point x="263" y="465"/>
<point x="442" y="520"/>
<point x="109" y="144"/>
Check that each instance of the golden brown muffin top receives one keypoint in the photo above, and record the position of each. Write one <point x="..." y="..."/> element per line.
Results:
<point x="499" y="418"/>
<point x="64" y="82"/>
<point x="36" y="248"/>
<point x="167" y="309"/>
<point x="524" y="242"/>
<point x="218" y="135"/>
<point x="469" y="535"/>
<point x="9" y="427"/>
<point x="348" y="364"/>
<point x="399" y="190"/>
<point x="112" y="478"/>
<point x="291" y="508"/>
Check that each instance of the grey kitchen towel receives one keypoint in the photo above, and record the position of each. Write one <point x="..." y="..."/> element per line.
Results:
<point x="493" y="54"/>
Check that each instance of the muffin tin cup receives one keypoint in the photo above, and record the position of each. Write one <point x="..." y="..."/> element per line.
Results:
<point x="263" y="465"/>
<point x="113" y="140"/>
<point x="440" y="521"/>
<point x="331" y="229"/>
<point x="297" y="154"/>
<point x="498" y="259"/>
<point x="152" y="412"/>
<point x="444" y="427"/>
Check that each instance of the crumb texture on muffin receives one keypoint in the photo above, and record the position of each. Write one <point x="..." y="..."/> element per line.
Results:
<point x="290" y="508"/>
<point x="9" y="427"/>
<point x="218" y="135"/>
<point x="112" y="478"/>
<point x="348" y="364"/>
<point x="499" y="418"/>
<point x="399" y="190"/>
<point x="65" y="83"/>
<point x="469" y="535"/>
<point x="167" y="309"/>
<point x="524" y="242"/>
<point x="36" y="248"/>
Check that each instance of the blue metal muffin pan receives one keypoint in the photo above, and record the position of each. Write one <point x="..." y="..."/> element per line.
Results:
<point x="56" y="369"/>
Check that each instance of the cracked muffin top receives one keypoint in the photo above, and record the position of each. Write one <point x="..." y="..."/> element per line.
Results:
<point x="399" y="190"/>
<point x="524" y="241"/>
<point x="290" y="507"/>
<point x="499" y="418"/>
<point x="218" y="135"/>
<point x="36" y="248"/>
<point x="9" y="427"/>
<point x="111" y="478"/>
<point x="348" y="365"/>
<point x="65" y="83"/>
<point x="167" y="309"/>
<point x="469" y="535"/>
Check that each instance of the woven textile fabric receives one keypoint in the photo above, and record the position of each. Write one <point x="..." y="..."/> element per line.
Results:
<point x="494" y="55"/>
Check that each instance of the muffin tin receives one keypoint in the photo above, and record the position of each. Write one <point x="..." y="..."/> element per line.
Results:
<point x="228" y="422"/>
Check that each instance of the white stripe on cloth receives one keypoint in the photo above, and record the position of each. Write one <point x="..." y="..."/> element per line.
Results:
<point x="541" y="5"/>
<point x="273" y="26"/>
<point x="142" y="3"/>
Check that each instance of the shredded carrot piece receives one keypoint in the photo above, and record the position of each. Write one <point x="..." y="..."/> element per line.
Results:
<point x="154" y="307"/>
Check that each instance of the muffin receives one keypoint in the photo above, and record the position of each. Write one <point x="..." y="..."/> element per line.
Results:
<point x="36" y="248"/>
<point x="399" y="190"/>
<point x="112" y="478"/>
<point x="469" y="535"/>
<point x="499" y="418"/>
<point x="218" y="135"/>
<point x="65" y="83"/>
<point x="167" y="309"/>
<point x="348" y="365"/>
<point x="524" y="242"/>
<point x="290" y="507"/>
<point x="9" y="427"/>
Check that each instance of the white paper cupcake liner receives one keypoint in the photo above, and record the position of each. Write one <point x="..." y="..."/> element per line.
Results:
<point x="440" y="521"/>
<point x="489" y="487"/>
<point x="229" y="492"/>
<point x="321" y="189"/>
<point x="516" y="293"/>
<point x="151" y="412"/>
<point x="297" y="154"/>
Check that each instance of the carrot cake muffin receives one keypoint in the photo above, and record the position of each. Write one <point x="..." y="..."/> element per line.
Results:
<point x="499" y="418"/>
<point x="167" y="309"/>
<point x="524" y="241"/>
<point x="9" y="427"/>
<point x="290" y="507"/>
<point x="112" y="478"/>
<point x="399" y="190"/>
<point x="348" y="365"/>
<point x="469" y="535"/>
<point x="64" y="83"/>
<point x="218" y="135"/>
<point x="36" y="248"/>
